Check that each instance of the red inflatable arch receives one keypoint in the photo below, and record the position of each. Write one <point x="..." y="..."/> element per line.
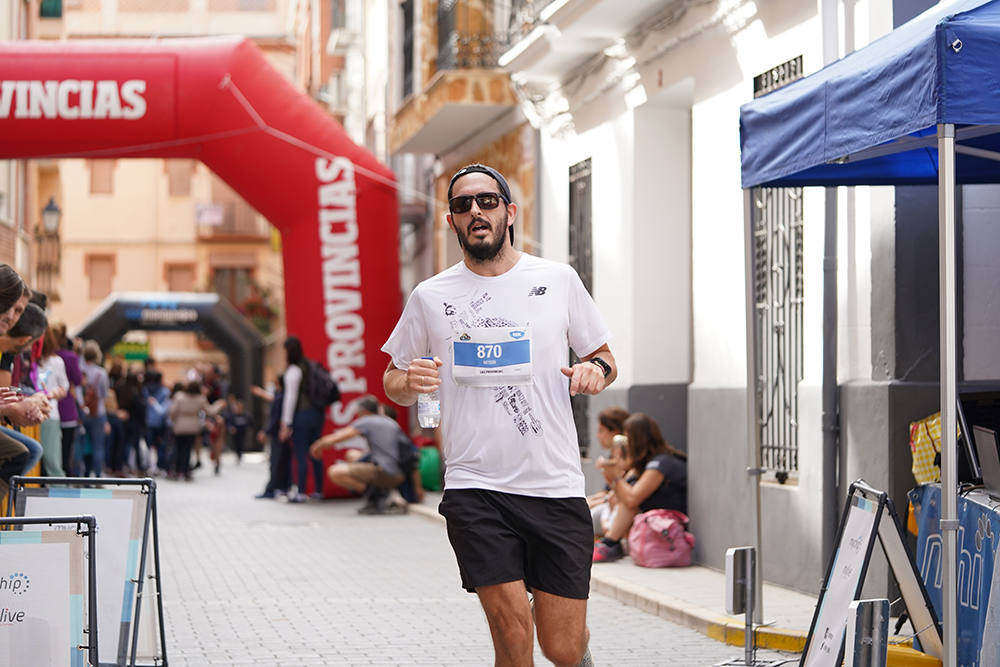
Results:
<point x="218" y="100"/>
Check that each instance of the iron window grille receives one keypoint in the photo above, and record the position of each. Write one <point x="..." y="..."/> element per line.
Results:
<point x="778" y="287"/>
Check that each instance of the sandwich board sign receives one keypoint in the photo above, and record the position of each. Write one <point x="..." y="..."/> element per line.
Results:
<point x="868" y="513"/>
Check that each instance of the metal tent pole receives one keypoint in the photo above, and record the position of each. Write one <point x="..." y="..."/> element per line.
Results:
<point x="753" y="435"/>
<point x="830" y="420"/>
<point x="949" y="468"/>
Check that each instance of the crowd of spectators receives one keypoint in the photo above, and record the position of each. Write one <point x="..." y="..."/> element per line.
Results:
<point x="63" y="413"/>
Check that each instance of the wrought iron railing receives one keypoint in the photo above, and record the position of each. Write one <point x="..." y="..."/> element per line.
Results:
<point x="522" y="18"/>
<point x="466" y="38"/>
<point x="473" y="33"/>
<point x="778" y="283"/>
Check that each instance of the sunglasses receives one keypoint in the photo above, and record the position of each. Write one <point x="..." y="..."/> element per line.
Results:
<point x="487" y="201"/>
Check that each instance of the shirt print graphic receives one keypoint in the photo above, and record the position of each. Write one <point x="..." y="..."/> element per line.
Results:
<point x="511" y="398"/>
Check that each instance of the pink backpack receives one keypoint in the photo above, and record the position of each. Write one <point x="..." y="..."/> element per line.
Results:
<point x="658" y="539"/>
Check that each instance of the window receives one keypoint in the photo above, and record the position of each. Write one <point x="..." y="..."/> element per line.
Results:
<point x="50" y="9"/>
<point x="408" y="34"/>
<point x="179" y="174"/>
<point x="7" y="190"/>
<point x="581" y="251"/>
<point x="102" y="174"/>
<point x="238" y="217"/>
<point x="179" y="277"/>
<point x="581" y="242"/>
<point x="100" y="270"/>
<point x="338" y="14"/>
<point x="778" y="295"/>
<point x="233" y="283"/>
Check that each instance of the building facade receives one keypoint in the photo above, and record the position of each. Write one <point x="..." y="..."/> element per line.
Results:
<point x="19" y="214"/>
<point x="157" y="225"/>
<point x="618" y="126"/>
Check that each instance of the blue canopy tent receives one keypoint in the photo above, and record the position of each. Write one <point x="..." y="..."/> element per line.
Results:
<point x="918" y="106"/>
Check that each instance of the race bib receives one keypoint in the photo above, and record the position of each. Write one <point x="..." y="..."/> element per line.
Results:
<point x="492" y="356"/>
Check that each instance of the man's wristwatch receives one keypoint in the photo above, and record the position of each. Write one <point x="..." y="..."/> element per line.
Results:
<point x="605" y="367"/>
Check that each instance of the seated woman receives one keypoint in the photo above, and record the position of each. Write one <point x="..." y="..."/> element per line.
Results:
<point x="657" y="479"/>
<point x="610" y="427"/>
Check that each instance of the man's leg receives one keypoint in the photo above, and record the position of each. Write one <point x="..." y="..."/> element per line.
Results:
<point x="13" y="457"/>
<point x="342" y="474"/>
<point x="509" y="616"/>
<point x="33" y="446"/>
<point x="562" y="628"/>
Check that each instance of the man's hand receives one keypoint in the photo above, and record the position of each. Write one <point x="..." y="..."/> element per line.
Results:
<point x="23" y="413"/>
<point x="585" y="378"/>
<point x="285" y="432"/>
<point x="316" y="450"/>
<point x="40" y="401"/>
<point x="422" y="375"/>
<point x="612" y="470"/>
<point x="10" y="395"/>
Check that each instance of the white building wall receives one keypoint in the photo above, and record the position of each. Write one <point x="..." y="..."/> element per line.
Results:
<point x="718" y="295"/>
<point x="610" y="147"/>
<point x="661" y="245"/>
<point x="640" y="165"/>
<point x="680" y="222"/>
<point x="854" y="279"/>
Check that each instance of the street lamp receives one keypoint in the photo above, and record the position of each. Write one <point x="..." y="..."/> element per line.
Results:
<point x="50" y="216"/>
<point x="47" y="261"/>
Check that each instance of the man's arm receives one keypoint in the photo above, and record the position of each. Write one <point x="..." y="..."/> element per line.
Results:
<point x="402" y="387"/>
<point x="327" y="441"/>
<point x="587" y="377"/>
<point x="23" y="413"/>
<point x="293" y="378"/>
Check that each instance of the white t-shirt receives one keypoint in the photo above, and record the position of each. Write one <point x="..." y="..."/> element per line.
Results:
<point x="515" y="439"/>
<point x="293" y="378"/>
<point x="52" y="375"/>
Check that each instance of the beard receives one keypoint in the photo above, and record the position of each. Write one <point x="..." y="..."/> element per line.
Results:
<point x="485" y="251"/>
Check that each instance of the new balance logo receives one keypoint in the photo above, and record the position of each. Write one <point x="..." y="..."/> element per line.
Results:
<point x="537" y="291"/>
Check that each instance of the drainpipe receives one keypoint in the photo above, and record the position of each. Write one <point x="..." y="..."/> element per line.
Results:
<point x="830" y="416"/>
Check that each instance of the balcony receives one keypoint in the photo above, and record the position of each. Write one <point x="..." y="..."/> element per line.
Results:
<point x="555" y="38"/>
<point x="456" y="104"/>
<point x="231" y="221"/>
<point x="466" y="92"/>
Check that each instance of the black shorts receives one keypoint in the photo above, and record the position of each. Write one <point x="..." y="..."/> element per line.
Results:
<point x="501" y="537"/>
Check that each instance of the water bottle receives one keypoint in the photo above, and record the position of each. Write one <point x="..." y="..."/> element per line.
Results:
<point x="429" y="408"/>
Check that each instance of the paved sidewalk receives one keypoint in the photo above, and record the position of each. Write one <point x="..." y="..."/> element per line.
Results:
<point x="259" y="582"/>
<point x="693" y="597"/>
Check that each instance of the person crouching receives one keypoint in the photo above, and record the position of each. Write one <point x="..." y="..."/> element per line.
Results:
<point x="383" y="472"/>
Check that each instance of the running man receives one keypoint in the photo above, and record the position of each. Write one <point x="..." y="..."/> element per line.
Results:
<point x="496" y="326"/>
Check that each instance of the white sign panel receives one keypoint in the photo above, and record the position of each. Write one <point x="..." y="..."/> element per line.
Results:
<point x="848" y="565"/>
<point x="114" y="569"/>
<point x="36" y="610"/>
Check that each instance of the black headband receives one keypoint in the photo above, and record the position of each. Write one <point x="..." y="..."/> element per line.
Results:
<point x="482" y="169"/>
